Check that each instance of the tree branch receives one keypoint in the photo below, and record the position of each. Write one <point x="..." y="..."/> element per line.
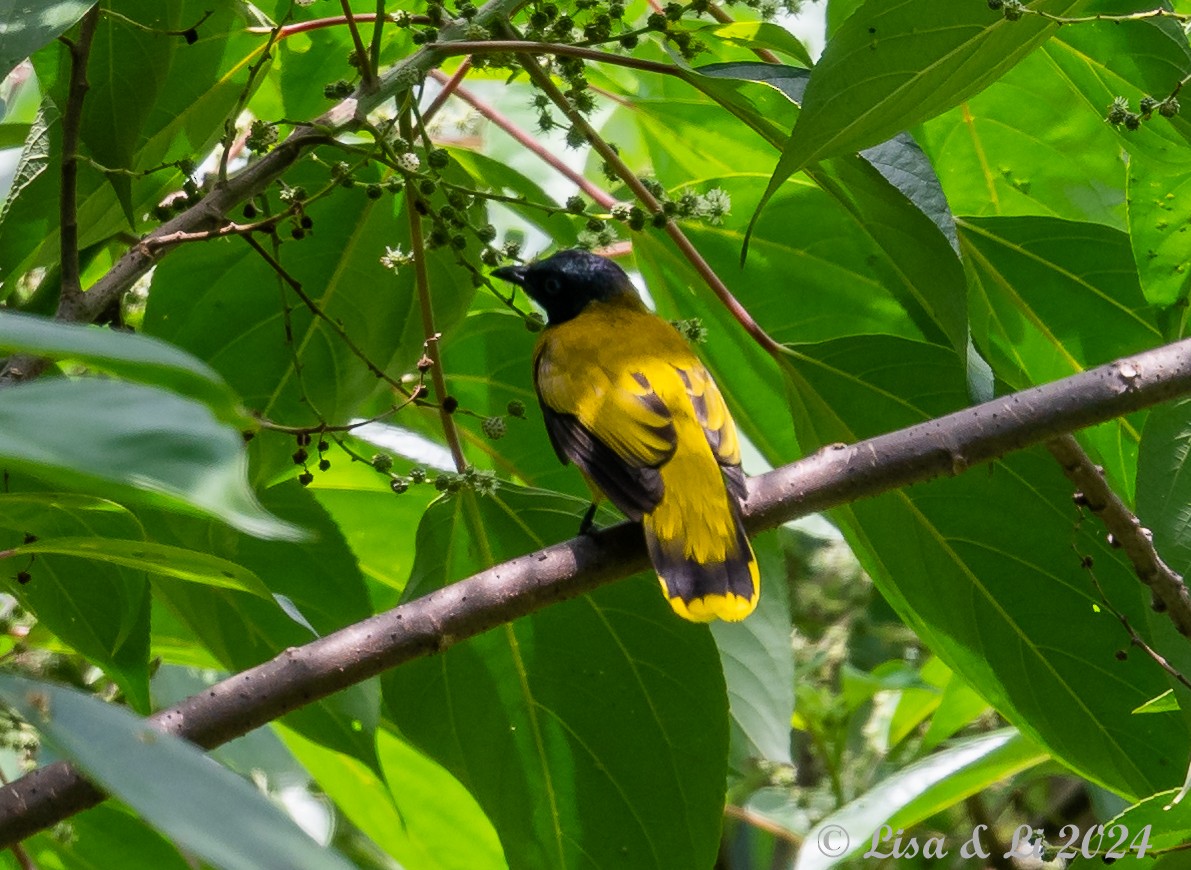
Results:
<point x="72" y="122"/>
<point x="209" y="212"/>
<point x="833" y="476"/>
<point x="1170" y="594"/>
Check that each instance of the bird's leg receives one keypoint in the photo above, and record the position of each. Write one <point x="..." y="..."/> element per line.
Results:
<point x="588" y="522"/>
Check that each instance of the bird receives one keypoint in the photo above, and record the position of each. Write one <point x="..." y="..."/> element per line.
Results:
<point x="625" y="398"/>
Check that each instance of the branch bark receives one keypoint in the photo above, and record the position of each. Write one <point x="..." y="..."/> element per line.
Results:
<point x="835" y="475"/>
<point x="1170" y="593"/>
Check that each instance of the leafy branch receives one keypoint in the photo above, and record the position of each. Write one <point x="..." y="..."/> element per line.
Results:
<point x="836" y="475"/>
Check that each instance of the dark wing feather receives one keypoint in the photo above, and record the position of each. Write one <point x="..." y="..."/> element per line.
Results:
<point x="635" y="489"/>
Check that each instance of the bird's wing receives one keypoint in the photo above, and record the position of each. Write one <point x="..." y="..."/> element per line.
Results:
<point x="712" y="413"/>
<point x="614" y="425"/>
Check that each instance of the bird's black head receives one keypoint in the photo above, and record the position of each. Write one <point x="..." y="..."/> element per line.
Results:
<point x="565" y="283"/>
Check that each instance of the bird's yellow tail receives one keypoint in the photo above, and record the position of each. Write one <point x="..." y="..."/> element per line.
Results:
<point x="706" y="573"/>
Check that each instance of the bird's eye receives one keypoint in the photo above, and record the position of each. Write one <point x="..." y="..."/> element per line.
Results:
<point x="551" y="286"/>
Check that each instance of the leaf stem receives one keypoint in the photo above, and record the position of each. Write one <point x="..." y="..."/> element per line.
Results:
<point x="362" y="55"/>
<point x="418" y="249"/>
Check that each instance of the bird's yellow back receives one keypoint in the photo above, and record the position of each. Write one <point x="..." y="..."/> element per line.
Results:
<point x="627" y="400"/>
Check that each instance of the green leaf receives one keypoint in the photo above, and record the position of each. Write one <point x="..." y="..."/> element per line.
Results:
<point x="1052" y="298"/>
<point x="143" y="445"/>
<point x="754" y="34"/>
<point x="99" y="610"/>
<point x="1169" y="823"/>
<point x="593" y="732"/>
<point x="888" y="197"/>
<point x="143" y="766"/>
<point x="1000" y="152"/>
<point x="135" y="357"/>
<point x="149" y="556"/>
<point x="966" y="575"/>
<point x="1164" y="703"/>
<point x="759" y="669"/>
<point x="27" y="30"/>
<point x="883" y="71"/>
<point x="103" y="832"/>
<point x="303" y="372"/>
<point x="920" y="790"/>
<point x="319" y="577"/>
<point x="417" y="812"/>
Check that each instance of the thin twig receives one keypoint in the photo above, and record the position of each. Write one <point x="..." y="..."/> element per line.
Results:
<point x="448" y="88"/>
<point x="229" y="124"/>
<point x="72" y="121"/>
<point x="418" y="248"/>
<point x="1167" y="587"/>
<point x="188" y="33"/>
<point x="212" y="209"/>
<point x="309" y="302"/>
<point x="378" y="29"/>
<point x="363" y="57"/>
<point x="832" y="477"/>
<point x="758" y="821"/>
<point x="1134" y="638"/>
<point x="527" y="141"/>
<point x="524" y="46"/>
<point x="297" y="27"/>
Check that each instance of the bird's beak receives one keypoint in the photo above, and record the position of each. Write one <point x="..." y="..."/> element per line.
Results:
<point x="512" y="274"/>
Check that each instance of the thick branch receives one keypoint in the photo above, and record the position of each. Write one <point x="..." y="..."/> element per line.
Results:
<point x="833" y="476"/>
<point x="1170" y="594"/>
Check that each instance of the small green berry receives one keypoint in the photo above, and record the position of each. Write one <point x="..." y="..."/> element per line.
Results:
<point x="450" y="404"/>
<point x="516" y="408"/>
<point x="399" y="485"/>
<point x="494" y="427"/>
<point x="374" y="191"/>
<point x="305" y="478"/>
<point x="382" y="462"/>
<point x="300" y="456"/>
<point x="442" y="482"/>
<point x="1169" y="107"/>
<point x="438" y="158"/>
<point x="417" y="474"/>
<point x="575" y="205"/>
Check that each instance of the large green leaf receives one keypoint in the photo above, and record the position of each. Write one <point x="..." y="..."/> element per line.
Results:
<point x="1052" y="298"/>
<point x="883" y="71"/>
<point x="885" y="208"/>
<point x="143" y="445"/>
<point x="184" y="93"/>
<point x="593" y="733"/>
<point x="298" y="373"/>
<point x="143" y="767"/>
<point x="966" y="573"/>
<point x="417" y="812"/>
<point x="1000" y="152"/>
<point x="101" y="833"/>
<point x="135" y="357"/>
<point x="26" y="31"/>
<point x="918" y="791"/>
<point x="319" y="579"/>
<point x="151" y="557"/>
<point x="759" y="669"/>
<point x="100" y="610"/>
